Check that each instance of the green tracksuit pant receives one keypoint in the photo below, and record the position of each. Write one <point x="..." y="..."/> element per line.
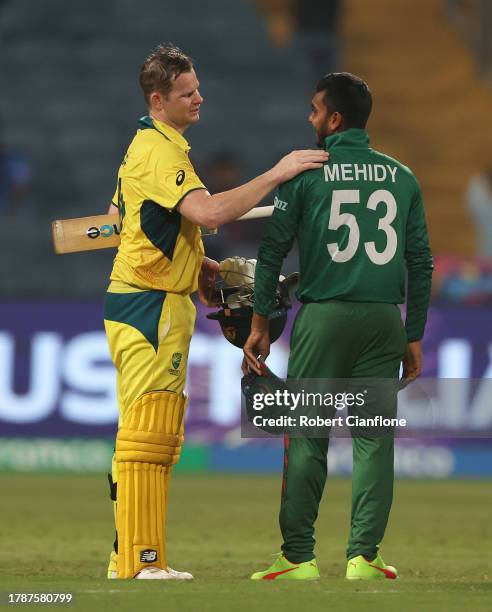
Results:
<point x="337" y="339"/>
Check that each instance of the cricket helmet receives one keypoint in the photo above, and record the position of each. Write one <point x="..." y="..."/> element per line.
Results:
<point x="235" y="296"/>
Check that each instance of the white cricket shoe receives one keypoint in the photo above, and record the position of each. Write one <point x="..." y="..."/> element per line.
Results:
<point x="155" y="573"/>
<point x="179" y="575"/>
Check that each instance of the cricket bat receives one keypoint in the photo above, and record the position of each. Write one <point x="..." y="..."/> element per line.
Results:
<point x="103" y="231"/>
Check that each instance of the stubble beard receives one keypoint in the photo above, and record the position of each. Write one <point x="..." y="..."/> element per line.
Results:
<point x="193" y="118"/>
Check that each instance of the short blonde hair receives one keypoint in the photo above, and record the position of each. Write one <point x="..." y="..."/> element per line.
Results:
<point x="161" y="68"/>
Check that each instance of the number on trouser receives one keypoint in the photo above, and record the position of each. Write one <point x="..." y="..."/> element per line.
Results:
<point x="338" y="219"/>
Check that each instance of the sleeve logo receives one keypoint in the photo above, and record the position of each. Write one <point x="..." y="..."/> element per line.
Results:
<point x="280" y="204"/>
<point x="180" y="177"/>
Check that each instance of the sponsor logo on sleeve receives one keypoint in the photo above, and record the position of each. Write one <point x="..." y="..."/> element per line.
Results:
<point x="180" y="177"/>
<point x="280" y="204"/>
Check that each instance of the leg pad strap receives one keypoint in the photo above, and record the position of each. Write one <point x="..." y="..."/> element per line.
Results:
<point x="152" y="431"/>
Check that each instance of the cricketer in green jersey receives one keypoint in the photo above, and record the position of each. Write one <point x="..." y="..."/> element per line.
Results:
<point x="360" y="226"/>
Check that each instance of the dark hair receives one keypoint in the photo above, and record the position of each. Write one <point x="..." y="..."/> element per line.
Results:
<point x="349" y="95"/>
<point x="161" y="68"/>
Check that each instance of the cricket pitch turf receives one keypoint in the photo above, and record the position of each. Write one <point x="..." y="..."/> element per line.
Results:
<point x="57" y="531"/>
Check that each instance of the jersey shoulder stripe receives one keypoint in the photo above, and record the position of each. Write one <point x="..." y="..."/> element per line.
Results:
<point x="391" y="160"/>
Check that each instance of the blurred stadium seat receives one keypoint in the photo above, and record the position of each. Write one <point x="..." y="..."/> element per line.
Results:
<point x="72" y="103"/>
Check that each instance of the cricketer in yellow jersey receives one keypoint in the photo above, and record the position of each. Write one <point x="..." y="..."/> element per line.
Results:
<point x="149" y="316"/>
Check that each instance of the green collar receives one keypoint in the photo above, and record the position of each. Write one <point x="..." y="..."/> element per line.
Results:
<point x="353" y="138"/>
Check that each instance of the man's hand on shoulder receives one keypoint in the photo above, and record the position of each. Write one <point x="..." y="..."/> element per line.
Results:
<point x="298" y="161"/>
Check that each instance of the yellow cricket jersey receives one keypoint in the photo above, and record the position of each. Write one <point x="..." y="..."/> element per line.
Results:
<point x="159" y="249"/>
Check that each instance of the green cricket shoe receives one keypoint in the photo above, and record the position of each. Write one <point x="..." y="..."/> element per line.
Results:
<point x="359" y="568"/>
<point x="283" y="569"/>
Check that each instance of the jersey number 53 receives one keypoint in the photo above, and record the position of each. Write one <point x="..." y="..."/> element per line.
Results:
<point x="339" y="219"/>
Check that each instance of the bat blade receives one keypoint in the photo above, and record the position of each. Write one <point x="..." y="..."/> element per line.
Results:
<point x="86" y="233"/>
<point x="103" y="231"/>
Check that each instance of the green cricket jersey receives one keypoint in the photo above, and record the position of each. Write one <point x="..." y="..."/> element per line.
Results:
<point x="360" y="225"/>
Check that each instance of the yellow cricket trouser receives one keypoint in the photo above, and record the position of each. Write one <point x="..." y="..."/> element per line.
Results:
<point x="149" y="334"/>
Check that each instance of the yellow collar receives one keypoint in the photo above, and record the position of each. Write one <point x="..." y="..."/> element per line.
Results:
<point x="171" y="134"/>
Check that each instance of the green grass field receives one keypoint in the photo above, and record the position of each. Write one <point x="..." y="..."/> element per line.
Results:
<point x="56" y="533"/>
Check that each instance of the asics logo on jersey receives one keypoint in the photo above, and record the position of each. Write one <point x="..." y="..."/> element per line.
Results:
<point x="180" y="177"/>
